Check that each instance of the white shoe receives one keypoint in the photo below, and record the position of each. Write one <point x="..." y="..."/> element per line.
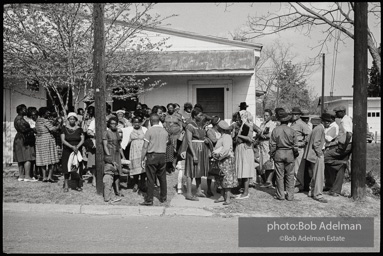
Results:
<point x="20" y="179"/>
<point x="30" y="180"/>
<point x="179" y="191"/>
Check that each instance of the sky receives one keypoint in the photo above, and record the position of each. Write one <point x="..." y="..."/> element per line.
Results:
<point x="219" y="19"/>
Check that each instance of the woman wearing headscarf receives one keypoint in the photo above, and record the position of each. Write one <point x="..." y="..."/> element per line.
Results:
<point x="122" y="121"/>
<point x="244" y="155"/>
<point x="46" y="151"/>
<point x="223" y="153"/>
<point x="213" y="134"/>
<point x="72" y="137"/>
<point x="197" y="154"/>
<point x="136" y="143"/>
<point x="23" y="149"/>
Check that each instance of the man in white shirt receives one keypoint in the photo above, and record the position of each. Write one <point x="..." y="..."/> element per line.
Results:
<point x="333" y="130"/>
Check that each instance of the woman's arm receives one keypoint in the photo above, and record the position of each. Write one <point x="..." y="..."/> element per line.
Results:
<point x="190" y="144"/>
<point x="81" y="141"/>
<point x="66" y="143"/>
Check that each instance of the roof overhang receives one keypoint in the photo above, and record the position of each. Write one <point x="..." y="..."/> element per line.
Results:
<point x="190" y="73"/>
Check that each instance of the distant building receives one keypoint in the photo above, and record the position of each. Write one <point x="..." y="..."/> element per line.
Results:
<point x="373" y="109"/>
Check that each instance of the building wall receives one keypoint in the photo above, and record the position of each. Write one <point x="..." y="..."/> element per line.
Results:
<point x="177" y="90"/>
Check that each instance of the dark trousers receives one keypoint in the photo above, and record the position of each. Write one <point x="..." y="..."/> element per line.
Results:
<point x="156" y="167"/>
<point x="334" y="176"/>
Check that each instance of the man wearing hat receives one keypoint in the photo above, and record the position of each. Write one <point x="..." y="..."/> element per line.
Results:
<point x="306" y="119"/>
<point x="283" y="148"/>
<point x="314" y="155"/>
<point x="302" y="132"/>
<point x="345" y="127"/>
<point x="244" y="113"/>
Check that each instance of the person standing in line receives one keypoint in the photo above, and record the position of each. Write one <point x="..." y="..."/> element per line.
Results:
<point x="244" y="155"/>
<point x="90" y="127"/>
<point x="154" y="150"/>
<point x="23" y="149"/>
<point x="173" y="125"/>
<point x="246" y="114"/>
<point x="109" y="113"/>
<point x="80" y="115"/>
<point x="306" y="119"/>
<point x="226" y="161"/>
<point x="186" y="113"/>
<point x="31" y="118"/>
<point x="136" y="144"/>
<point x="267" y="127"/>
<point x="197" y="154"/>
<point x="122" y="121"/>
<point x="111" y="141"/>
<point x="46" y="151"/>
<point x="72" y="137"/>
<point x="315" y="157"/>
<point x="283" y="149"/>
<point x="213" y="134"/>
<point x="302" y="132"/>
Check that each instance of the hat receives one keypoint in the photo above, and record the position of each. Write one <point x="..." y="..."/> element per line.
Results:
<point x="296" y="110"/>
<point x="215" y="120"/>
<point x="243" y="104"/>
<point x="326" y="117"/>
<point x="277" y="110"/>
<point x="223" y="125"/>
<point x="120" y="111"/>
<point x="340" y="108"/>
<point x="332" y="113"/>
<point x="72" y="114"/>
<point x="283" y="116"/>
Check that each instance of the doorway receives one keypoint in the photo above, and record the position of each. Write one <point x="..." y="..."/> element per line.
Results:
<point x="212" y="100"/>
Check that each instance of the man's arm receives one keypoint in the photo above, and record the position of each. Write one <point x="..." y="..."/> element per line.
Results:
<point x="143" y="153"/>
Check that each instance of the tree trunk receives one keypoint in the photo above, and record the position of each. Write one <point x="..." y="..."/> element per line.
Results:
<point x="374" y="52"/>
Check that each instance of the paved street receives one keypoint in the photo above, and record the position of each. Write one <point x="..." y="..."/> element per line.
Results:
<point x="31" y="232"/>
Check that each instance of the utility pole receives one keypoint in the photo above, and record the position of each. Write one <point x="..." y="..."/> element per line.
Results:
<point x="358" y="162"/>
<point x="322" y="100"/>
<point x="99" y="82"/>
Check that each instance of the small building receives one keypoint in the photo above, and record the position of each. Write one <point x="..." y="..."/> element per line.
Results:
<point x="373" y="110"/>
<point x="215" y="72"/>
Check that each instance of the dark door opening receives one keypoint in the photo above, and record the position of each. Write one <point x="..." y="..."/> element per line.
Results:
<point x="212" y="101"/>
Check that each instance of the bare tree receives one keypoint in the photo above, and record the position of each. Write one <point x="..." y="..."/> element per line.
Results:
<point x="337" y="16"/>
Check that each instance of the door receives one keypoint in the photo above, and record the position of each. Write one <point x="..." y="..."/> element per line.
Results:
<point x="212" y="101"/>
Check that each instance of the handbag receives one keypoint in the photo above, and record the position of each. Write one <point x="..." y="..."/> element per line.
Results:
<point x="215" y="170"/>
<point x="29" y="138"/>
<point x="88" y="144"/>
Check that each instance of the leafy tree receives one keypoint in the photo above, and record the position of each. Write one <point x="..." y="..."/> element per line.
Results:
<point x="53" y="44"/>
<point x="375" y="81"/>
<point x="292" y="89"/>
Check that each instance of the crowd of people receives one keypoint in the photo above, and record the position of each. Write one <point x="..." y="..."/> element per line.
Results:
<point x="286" y="152"/>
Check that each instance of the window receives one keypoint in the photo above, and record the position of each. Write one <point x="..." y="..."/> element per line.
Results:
<point x="368" y="114"/>
<point x="373" y="114"/>
<point x="377" y="114"/>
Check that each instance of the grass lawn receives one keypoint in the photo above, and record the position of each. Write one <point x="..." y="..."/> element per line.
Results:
<point x="52" y="193"/>
<point x="260" y="201"/>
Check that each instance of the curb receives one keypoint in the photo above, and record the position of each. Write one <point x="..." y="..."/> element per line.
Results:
<point x="106" y="210"/>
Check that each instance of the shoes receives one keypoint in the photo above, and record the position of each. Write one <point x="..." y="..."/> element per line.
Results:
<point x="146" y="203"/>
<point x="320" y="199"/>
<point x="51" y="181"/>
<point x="200" y="194"/>
<point x="275" y="197"/>
<point x="240" y="196"/>
<point x="296" y="190"/>
<point x="334" y="194"/>
<point x="119" y="194"/>
<point x="226" y="203"/>
<point x="115" y="200"/>
<point x="40" y="179"/>
<point x="45" y="180"/>
<point x="191" y="198"/>
<point x="267" y="186"/>
<point x="326" y="189"/>
<point x="30" y="180"/>
<point x="179" y="191"/>
<point x="135" y="188"/>
<point x="218" y="190"/>
<point x="78" y="189"/>
<point x="209" y="194"/>
<point x="66" y="190"/>
<point x="219" y="200"/>
<point x="20" y="179"/>
<point x="162" y="200"/>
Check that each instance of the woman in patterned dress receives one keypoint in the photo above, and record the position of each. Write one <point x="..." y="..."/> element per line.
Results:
<point x="197" y="154"/>
<point x="111" y="141"/>
<point x="136" y="144"/>
<point x="173" y="125"/>
<point x="226" y="162"/>
<point x="46" y="151"/>
<point x="72" y="137"/>
<point x="23" y="151"/>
